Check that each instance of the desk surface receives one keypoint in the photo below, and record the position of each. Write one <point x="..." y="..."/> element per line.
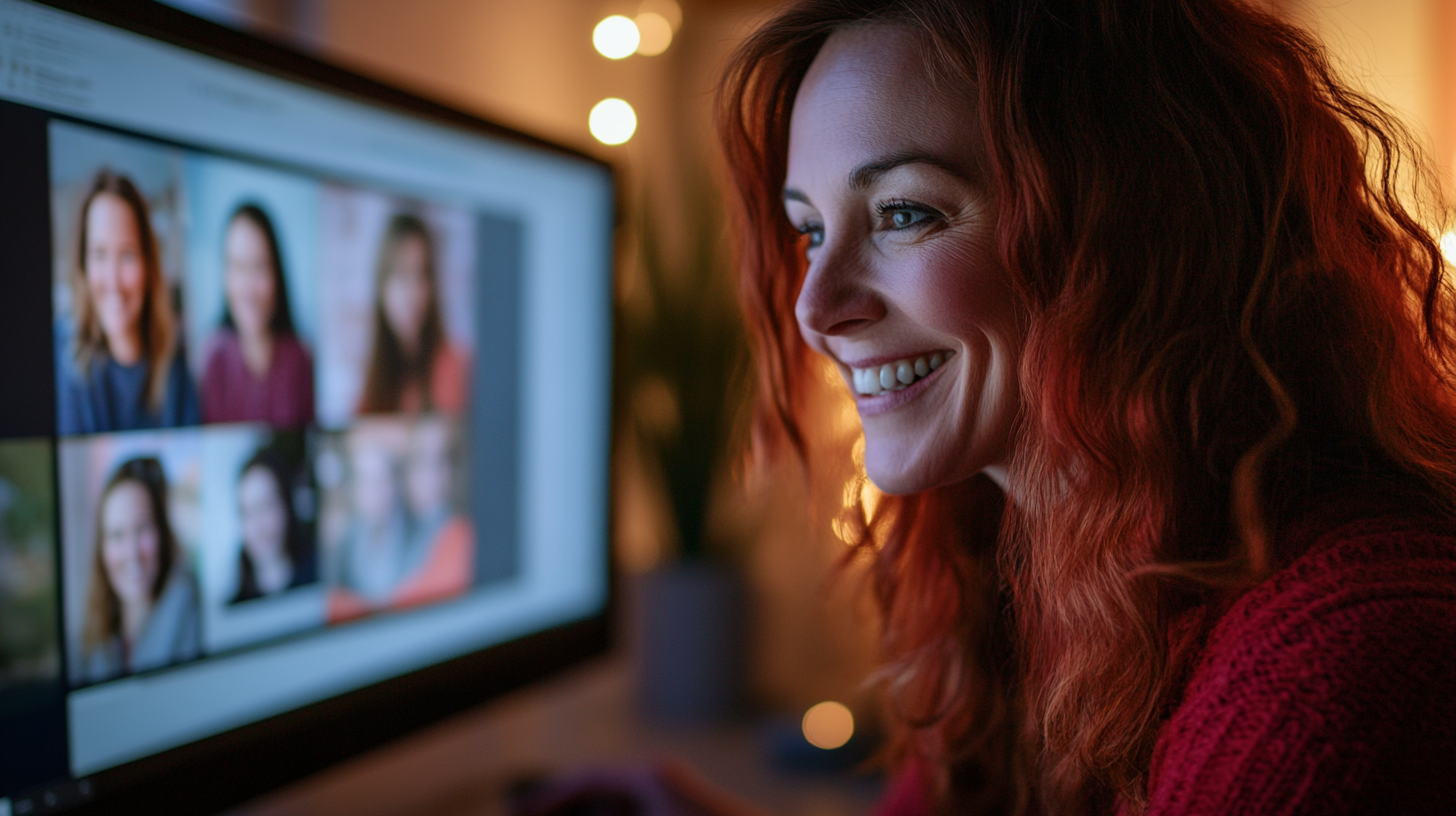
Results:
<point x="586" y="716"/>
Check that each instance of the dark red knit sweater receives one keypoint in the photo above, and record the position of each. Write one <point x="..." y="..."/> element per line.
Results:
<point x="1330" y="688"/>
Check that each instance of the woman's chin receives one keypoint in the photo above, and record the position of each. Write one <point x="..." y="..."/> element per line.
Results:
<point x="133" y="595"/>
<point x="251" y="327"/>
<point x="900" y="476"/>
<point x="895" y="478"/>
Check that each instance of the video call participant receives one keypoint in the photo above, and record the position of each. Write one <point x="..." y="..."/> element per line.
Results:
<point x="275" y="555"/>
<point x="124" y="368"/>
<point x="142" y="609"/>
<point x="443" y="538"/>
<point x="404" y="545"/>
<point x="413" y="366"/>
<point x="373" y="555"/>
<point x="257" y="368"/>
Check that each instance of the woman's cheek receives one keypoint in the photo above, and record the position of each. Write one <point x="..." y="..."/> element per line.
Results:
<point x="132" y="286"/>
<point x="148" y="549"/>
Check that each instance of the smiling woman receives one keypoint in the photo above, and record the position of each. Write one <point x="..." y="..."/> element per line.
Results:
<point x="1163" y="373"/>
<point x="257" y="368"/>
<point x="903" y="271"/>
<point x="141" y="611"/>
<point x="123" y="368"/>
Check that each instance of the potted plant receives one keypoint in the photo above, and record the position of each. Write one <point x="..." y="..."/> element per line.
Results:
<point x="683" y="372"/>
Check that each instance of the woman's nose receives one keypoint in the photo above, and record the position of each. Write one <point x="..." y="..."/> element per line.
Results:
<point x="102" y="272"/>
<point x="837" y="298"/>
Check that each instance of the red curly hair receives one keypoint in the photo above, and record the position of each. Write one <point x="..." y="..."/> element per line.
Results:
<point x="1234" y="311"/>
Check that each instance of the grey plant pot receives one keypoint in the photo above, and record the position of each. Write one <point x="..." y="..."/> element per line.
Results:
<point x="692" y="641"/>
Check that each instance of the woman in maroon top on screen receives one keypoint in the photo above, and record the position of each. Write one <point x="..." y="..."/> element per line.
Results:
<point x="257" y="368"/>
<point x="1159" y="369"/>
<point x="413" y="366"/>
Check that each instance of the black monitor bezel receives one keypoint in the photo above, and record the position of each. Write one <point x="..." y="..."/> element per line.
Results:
<point x="237" y="765"/>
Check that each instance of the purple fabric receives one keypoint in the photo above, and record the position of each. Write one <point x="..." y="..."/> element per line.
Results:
<point x="230" y="393"/>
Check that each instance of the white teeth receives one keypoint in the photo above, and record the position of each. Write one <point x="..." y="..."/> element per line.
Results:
<point x="866" y="381"/>
<point x="895" y="376"/>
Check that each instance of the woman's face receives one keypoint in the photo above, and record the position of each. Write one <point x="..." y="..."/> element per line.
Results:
<point x="904" y="292"/>
<point x="130" y="542"/>
<point x="115" y="272"/>
<point x="407" y="294"/>
<point x="264" y="518"/>
<point x="248" y="277"/>
<point x="376" y="493"/>
<point x="427" y="473"/>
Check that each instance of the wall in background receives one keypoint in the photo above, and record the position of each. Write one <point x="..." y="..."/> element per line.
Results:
<point x="1402" y="52"/>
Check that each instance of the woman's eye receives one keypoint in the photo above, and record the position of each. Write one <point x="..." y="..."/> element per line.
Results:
<point x="815" y="233"/>
<point x="906" y="218"/>
<point x="903" y="215"/>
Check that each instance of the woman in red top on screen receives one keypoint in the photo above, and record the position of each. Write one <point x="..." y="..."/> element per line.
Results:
<point x="412" y="367"/>
<point x="1161" y="373"/>
<point x="257" y="369"/>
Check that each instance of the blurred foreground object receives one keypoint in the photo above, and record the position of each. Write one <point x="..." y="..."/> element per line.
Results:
<point x="828" y="725"/>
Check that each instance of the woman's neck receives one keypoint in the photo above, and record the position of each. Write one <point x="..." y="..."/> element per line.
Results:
<point x="273" y="573"/>
<point x="410" y="351"/>
<point x="257" y="348"/>
<point x="134" y="616"/>
<point x="125" y="347"/>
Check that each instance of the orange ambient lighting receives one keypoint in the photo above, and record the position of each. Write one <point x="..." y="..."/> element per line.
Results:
<point x="828" y="725"/>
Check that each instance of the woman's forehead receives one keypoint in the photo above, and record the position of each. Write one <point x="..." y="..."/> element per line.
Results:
<point x="869" y="94"/>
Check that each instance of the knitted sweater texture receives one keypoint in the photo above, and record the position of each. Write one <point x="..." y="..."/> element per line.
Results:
<point x="1329" y="688"/>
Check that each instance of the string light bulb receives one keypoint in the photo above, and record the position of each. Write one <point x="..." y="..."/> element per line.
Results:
<point x="666" y="9"/>
<point x="616" y="37"/>
<point x="612" y="121"/>
<point x="655" y="31"/>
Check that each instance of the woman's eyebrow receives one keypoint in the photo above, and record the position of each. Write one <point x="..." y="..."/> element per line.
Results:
<point x="860" y="178"/>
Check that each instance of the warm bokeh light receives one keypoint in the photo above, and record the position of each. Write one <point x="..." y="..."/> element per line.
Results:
<point x="666" y="9"/>
<point x="656" y="33"/>
<point x="1448" y="247"/>
<point x="828" y="725"/>
<point x="616" y="37"/>
<point x="612" y="121"/>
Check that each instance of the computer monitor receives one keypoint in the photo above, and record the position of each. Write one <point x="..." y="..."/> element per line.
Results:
<point x="305" y="433"/>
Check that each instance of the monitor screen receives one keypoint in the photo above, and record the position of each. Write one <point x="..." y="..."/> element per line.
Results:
<point x="303" y="392"/>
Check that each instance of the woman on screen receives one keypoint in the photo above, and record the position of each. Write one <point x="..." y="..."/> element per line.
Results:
<point x="124" y="367"/>
<point x="374" y="552"/>
<point x="142" y="610"/>
<point x="413" y="366"/>
<point x="442" y="540"/>
<point x="275" y="555"/>
<point x="257" y="368"/>
<point x="404" y="544"/>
